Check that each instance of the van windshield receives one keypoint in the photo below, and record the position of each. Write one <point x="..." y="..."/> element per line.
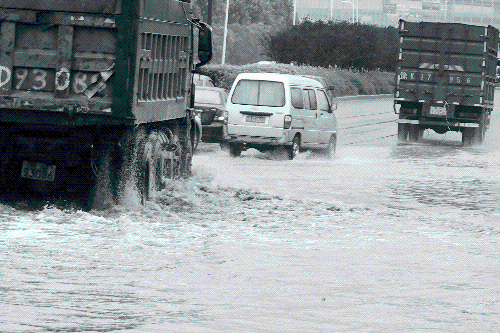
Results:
<point x="259" y="92"/>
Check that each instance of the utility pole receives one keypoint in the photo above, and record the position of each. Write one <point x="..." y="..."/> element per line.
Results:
<point x="294" y="11"/>
<point x="225" y="34"/>
<point x="209" y="11"/>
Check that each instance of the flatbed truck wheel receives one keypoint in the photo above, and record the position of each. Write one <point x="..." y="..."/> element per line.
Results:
<point x="403" y="132"/>
<point x="414" y="133"/>
<point x="151" y="180"/>
<point x="101" y="188"/>
<point x="186" y="156"/>
<point x="472" y="135"/>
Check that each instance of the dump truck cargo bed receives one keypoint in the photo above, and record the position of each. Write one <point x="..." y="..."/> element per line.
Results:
<point x="93" y="90"/>
<point x="94" y="61"/>
<point x="447" y="62"/>
<point x="446" y="76"/>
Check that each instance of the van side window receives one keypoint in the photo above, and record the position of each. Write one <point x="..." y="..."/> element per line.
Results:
<point x="306" y="99"/>
<point x="323" y="101"/>
<point x="296" y="95"/>
<point x="313" y="105"/>
<point x="259" y="92"/>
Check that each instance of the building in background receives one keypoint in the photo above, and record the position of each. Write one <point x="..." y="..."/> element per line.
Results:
<point x="388" y="12"/>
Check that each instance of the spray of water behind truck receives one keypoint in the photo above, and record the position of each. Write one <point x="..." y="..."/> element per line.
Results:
<point x="97" y="95"/>
<point x="445" y="79"/>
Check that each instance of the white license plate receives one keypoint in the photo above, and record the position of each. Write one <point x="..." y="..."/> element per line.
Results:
<point x="438" y="111"/>
<point x="256" y="119"/>
<point x="38" y="171"/>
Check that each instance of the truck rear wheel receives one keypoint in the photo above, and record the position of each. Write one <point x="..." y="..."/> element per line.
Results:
<point x="150" y="177"/>
<point x="186" y="156"/>
<point x="403" y="132"/>
<point x="415" y="133"/>
<point x="102" y="184"/>
<point x="472" y="135"/>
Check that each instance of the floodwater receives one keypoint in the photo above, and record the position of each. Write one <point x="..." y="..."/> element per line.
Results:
<point x="384" y="237"/>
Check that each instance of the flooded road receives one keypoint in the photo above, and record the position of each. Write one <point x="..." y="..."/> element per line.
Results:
<point x="384" y="237"/>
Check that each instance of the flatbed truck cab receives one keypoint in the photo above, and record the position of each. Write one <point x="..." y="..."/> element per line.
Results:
<point x="93" y="90"/>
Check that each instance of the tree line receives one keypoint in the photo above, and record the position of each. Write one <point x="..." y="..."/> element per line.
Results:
<point x="263" y="30"/>
<point x="335" y="44"/>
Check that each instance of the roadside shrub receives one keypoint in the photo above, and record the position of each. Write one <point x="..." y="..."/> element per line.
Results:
<point x="346" y="82"/>
<point x="334" y="44"/>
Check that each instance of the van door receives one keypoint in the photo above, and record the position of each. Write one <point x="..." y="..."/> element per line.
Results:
<point x="327" y="123"/>
<point x="301" y="115"/>
<point x="311" y="105"/>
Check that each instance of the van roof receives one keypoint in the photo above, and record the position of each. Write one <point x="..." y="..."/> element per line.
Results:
<point x="285" y="78"/>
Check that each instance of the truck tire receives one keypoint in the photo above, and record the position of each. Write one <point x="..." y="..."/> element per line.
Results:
<point x="140" y="170"/>
<point x="467" y="135"/>
<point x="235" y="150"/>
<point x="101" y="188"/>
<point x="414" y="133"/>
<point x="130" y="176"/>
<point x="186" y="161"/>
<point x="172" y="165"/>
<point x="472" y="136"/>
<point x="150" y="177"/>
<point x="403" y="132"/>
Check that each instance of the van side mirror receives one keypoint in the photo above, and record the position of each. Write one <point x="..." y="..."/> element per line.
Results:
<point x="333" y="107"/>
<point x="330" y="88"/>
<point x="204" y="43"/>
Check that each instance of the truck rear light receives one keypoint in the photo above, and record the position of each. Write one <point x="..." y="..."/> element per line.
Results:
<point x="287" y="123"/>
<point x="226" y="115"/>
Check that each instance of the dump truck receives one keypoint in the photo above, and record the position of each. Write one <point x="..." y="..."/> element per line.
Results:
<point x="97" y="96"/>
<point x="445" y="79"/>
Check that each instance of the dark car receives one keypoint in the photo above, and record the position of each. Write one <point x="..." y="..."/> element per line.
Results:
<point x="210" y="103"/>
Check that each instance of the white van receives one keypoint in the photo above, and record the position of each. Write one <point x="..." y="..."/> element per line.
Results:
<point x="267" y="110"/>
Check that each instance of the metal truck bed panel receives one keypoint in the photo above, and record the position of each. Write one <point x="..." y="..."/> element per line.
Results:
<point x="92" y="6"/>
<point x="59" y="62"/>
<point x="447" y="62"/>
<point x="134" y="65"/>
<point x="449" y="31"/>
<point x="164" y="60"/>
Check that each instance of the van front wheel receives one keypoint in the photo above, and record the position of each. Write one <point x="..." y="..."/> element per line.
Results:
<point x="332" y="146"/>
<point x="294" y="149"/>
